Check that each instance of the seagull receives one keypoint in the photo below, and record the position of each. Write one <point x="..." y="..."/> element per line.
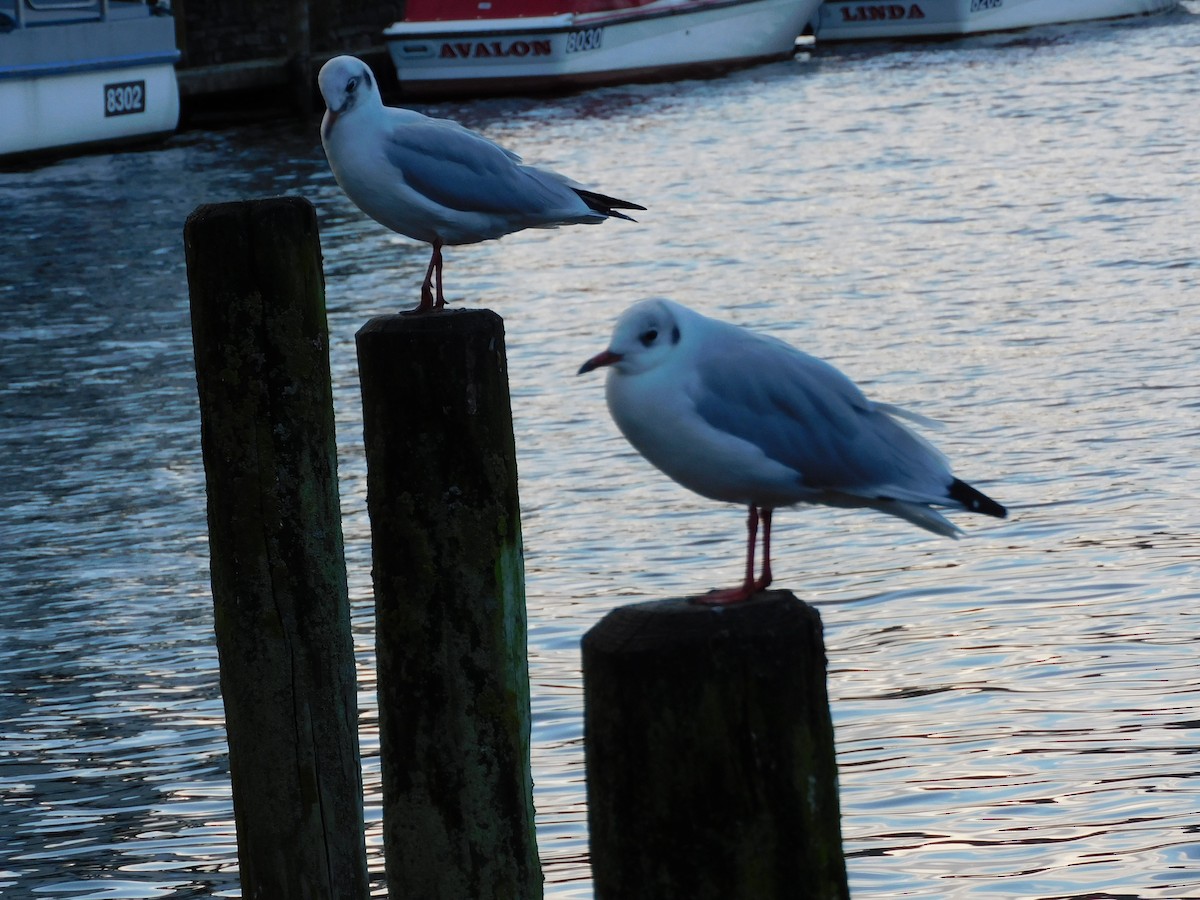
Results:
<point x="744" y="418"/>
<point x="435" y="181"/>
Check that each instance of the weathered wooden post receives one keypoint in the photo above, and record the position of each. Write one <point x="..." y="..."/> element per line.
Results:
<point x="278" y="573"/>
<point x="450" y="608"/>
<point x="710" y="754"/>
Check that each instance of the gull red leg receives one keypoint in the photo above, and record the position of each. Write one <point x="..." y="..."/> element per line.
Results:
<point x="748" y="587"/>
<point x="765" y="582"/>
<point x="751" y="543"/>
<point x="437" y="255"/>
<point x="435" y="263"/>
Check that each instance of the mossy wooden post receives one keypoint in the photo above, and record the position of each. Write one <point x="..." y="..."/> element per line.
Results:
<point x="275" y="540"/>
<point x="710" y="755"/>
<point x="450" y="608"/>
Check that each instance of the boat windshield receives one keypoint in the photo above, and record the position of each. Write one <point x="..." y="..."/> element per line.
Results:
<point x="32" y="13"/>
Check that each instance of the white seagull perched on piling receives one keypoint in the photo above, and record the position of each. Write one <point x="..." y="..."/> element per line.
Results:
<point x="744" y="418"/>
<point x="435" y="181"/>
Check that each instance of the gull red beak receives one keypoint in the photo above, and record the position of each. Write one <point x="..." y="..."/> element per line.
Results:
<point x="607" y="358"/>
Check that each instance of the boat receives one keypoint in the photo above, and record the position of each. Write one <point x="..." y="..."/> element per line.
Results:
<point x="854" y="20"/>
<point x="76" y="74"/>
<point x="475" y="47"/>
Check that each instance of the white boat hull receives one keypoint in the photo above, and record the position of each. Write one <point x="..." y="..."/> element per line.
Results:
<point x="851" y="20"/>
<point x="80" y="74"/>
<point x="660" y="40"/>
<point x="87" y="108"/>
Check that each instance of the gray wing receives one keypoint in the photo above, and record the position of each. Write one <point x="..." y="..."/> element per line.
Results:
<point x="458" y="169"/>
<point x="804" y="413"/>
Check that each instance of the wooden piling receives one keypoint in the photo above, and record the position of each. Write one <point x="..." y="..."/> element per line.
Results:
<point x="450" y="608"/>
<point x="710" y="754"/>
<point x="282" y="612"/>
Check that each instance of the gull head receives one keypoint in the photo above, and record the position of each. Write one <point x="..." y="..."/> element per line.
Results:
<point x="645" y="337"/>
<point x="346" y="83"/>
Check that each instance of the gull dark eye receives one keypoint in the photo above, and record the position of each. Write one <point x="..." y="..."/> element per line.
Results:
<point x="648" y="337"/>
<point x="351" y="85"/>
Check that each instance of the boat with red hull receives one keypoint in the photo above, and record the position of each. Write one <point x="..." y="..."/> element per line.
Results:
<point x="469" y="47"/>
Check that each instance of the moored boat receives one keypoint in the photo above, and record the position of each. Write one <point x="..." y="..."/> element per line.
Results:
<point x="463" y="47"/>
<point x="81" y="73"/>
<point x="852" y="20"/>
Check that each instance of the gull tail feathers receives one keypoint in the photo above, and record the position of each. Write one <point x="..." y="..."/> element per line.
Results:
<point x="901" y="413"/>
<point x="920" y="515"/>
<point x="919" y="512"/>
<point x="924" y="516"/>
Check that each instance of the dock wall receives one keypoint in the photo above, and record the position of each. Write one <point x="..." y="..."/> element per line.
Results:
<point x="274" y="46"/>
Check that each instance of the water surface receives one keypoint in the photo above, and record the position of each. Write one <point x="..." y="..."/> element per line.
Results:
<point x="997" y="232"/>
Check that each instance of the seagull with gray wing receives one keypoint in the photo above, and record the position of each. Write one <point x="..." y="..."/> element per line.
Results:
<point x="744" y="418"/>
<point x="435" y="181"/>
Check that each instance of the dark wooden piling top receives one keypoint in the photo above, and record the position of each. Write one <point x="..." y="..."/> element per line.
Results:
<point x="656" y="626"/>
<point x="454" y="708"/>
<point x="709" y="744"/>
<point x="281" y="609"/>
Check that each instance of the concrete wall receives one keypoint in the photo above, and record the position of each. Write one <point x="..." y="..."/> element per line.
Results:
<point x="232" y="45"/>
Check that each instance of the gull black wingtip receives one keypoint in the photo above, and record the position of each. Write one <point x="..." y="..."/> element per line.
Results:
<point x="975" y="500"/>
<point x="602" y="203"/>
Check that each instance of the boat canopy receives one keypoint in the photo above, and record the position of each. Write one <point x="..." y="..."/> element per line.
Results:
<point x="459" y="10"/>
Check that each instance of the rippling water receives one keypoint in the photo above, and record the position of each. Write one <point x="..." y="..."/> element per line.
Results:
<point x="997" y="232"/>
